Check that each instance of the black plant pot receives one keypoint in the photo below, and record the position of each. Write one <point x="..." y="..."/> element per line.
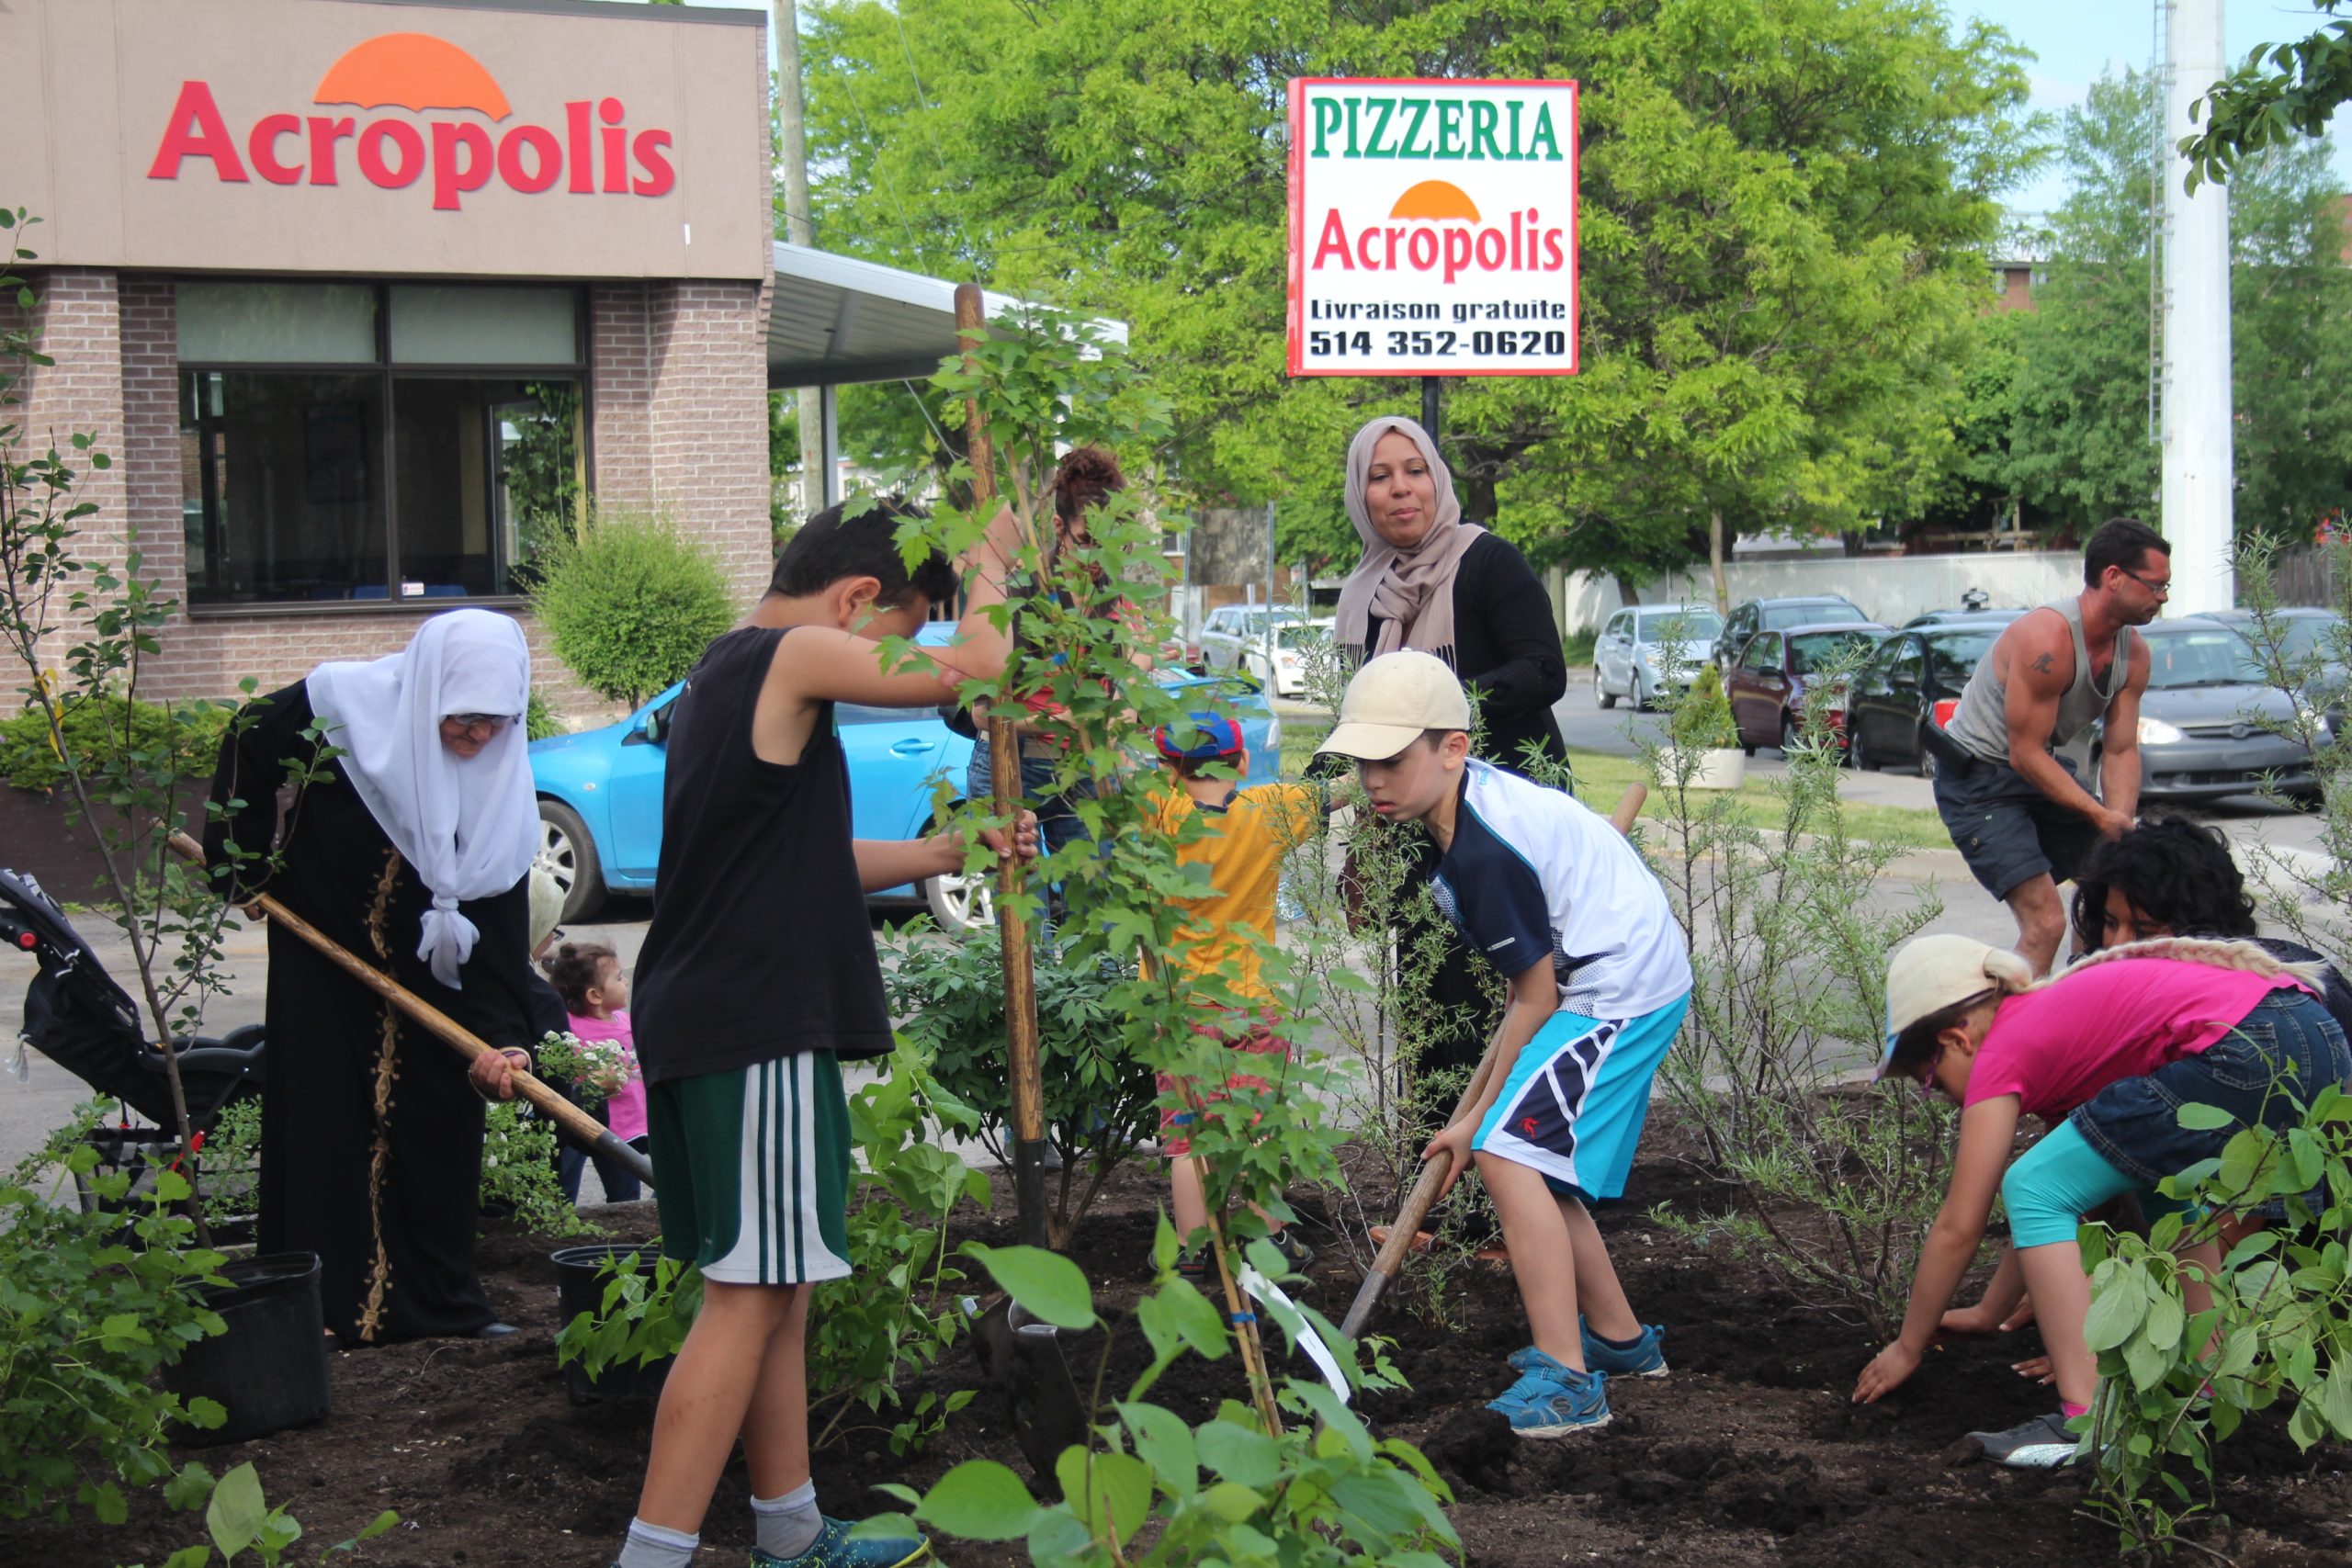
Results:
<point x="580" y="1287"/>
<point x="268" y="1370"/>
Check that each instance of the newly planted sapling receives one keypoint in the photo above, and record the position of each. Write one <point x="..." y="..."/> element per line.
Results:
<point x="240" y="1519"/>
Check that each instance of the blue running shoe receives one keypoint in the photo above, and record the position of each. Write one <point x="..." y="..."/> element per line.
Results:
<point x="1645" y="1359"/>
<point x="1551" y="1400"/>
<point x="835" y="1549"/>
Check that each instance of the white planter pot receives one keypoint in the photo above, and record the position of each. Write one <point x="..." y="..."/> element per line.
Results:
<point x="1721" y="767"/>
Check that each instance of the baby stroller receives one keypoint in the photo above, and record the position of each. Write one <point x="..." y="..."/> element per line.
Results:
<point x="77" y="1017"/>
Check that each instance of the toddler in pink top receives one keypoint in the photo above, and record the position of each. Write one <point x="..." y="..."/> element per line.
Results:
<point x="596" y="998"/>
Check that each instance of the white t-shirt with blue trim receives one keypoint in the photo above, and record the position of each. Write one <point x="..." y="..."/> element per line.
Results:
<point x="1531" y="871"/>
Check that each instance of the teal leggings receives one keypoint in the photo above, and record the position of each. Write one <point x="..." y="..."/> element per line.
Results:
<point x="2057" y="1181"/>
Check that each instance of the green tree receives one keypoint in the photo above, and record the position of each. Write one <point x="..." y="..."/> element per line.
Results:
<point x="1784" y="207"/>
<point x="2283" y="91"/>
<point x="2080" y="446"/>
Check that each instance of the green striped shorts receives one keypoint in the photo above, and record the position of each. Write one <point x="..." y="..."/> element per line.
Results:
<point x="750" y="1169"/>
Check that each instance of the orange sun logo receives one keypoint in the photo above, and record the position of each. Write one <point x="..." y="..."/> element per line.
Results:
<point x="1435" y="199"/>
<point x="410" y="71"/>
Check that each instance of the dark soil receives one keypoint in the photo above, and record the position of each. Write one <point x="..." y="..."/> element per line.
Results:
<point x="1749" y="1453"/>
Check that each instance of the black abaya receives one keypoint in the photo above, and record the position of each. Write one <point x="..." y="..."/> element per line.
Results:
<point x="371" y="1132"/>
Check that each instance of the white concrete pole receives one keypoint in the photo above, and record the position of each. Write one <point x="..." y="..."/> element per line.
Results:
<point x="2198" y="511"/>
<point x="820" y="473"/>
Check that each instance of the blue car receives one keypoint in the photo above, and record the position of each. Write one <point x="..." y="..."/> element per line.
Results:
<point x="600" y="792"/>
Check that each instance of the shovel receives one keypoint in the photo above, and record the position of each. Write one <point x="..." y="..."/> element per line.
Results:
<point x="573" y="1122"/>
<point x="1391" y="1256"/>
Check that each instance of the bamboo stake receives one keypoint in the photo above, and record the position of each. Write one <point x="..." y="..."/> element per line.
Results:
<point x="1021" y="1062"/>
<point x="1423" y="1197"/>
<point x="1244" y="1321"/>
<point x="582" y="1129"/>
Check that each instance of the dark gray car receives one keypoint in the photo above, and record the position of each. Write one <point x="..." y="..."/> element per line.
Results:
<point x="2200" y="735"/>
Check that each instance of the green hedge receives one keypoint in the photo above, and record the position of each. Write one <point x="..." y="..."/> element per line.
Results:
<point x="630" y="603"/>
<point x="186" y="734"/>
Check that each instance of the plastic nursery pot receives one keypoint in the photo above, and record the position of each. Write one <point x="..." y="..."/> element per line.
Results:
<point x="580" y="1287"/>
<point x="268" y="1370"/>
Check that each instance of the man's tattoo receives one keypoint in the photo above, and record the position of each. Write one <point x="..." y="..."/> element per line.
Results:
<point x="2044" y="662"/>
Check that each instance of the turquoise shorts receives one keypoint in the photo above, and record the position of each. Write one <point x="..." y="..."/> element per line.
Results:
<point x="1575" y="1100"/>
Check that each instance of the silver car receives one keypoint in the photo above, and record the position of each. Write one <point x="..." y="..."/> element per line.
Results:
<point x="1645" y="649"/>
<point x="2200" y="732"/>
<point x="1236" y="630"/>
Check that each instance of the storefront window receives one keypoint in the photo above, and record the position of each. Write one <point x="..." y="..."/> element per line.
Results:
<point x="437" y="472"/>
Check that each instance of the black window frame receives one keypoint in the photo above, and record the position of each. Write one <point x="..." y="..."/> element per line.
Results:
<point x="389" y="374"/>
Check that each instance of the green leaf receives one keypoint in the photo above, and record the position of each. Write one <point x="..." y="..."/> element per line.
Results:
<point x="1232" y="1502"/>
<point x="235" y="1516"/>
<point x="980" y="1500"/>
<point x="1049" y="1286"/>
<point x="1163" y="1441"/>
<point x="2204" y="1118"/>
<point x="106" y="1502"/>
<point x="2163" y="1324"/>
<point x="2116" y="1308"/>
<point x="188" y="1488"/>
<point x="1236" y="1452"/>
<point x="2335" y="1397"/>
<point x="1108" y="1491"/>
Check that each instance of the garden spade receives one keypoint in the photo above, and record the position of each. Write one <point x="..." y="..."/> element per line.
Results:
<point x="573" y="1122"/>
<point x="1423" y="1197"/>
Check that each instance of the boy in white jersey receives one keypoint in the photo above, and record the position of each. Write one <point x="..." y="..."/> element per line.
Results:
<point x="1564" y="908"/>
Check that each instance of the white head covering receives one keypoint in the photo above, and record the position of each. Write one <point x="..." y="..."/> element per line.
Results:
<point x="468" y="825"/>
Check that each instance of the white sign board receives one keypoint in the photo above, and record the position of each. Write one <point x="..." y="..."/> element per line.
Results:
<point x="1433" y="228"/>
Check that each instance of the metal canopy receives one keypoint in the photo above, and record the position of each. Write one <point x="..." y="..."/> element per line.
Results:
<point x="836" y="320"/>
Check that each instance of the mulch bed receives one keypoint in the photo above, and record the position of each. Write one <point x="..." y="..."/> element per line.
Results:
<point x="1749" y="1453"/>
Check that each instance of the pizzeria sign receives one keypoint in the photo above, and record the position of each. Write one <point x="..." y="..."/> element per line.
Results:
<point x="1433" y="226"/>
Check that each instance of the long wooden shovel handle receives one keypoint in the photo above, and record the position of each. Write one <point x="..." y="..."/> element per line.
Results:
<point x="1423" y="1197"/>
<point x="583" y="1128"/>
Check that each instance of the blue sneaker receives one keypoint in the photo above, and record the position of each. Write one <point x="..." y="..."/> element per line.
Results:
<point x="835" y="1549"/>
<point x="1645" y="1359"/>
<point x="1550" y="1400"/>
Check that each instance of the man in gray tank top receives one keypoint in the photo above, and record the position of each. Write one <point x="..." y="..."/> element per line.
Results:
<point x="2014" y="809"/>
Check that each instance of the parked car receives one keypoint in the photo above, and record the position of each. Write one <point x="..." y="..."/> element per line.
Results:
<point x="1752" y="616"/>
<point x="1767" y="686"/>
<point x="1951" y="618"/>
<point x="2307" y="634"/>
<point x="600" y="792"/>
<point x="1295" y="647"/>
<point x="2200" y="738"/>
<point x="1912" y="681"/>
<point x="1231" y="631"/>
<point x="1649" y="649"/>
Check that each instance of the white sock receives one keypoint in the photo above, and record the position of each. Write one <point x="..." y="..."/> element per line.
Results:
<point x="788" y="1525"/>
<point x="656" y="1546"/>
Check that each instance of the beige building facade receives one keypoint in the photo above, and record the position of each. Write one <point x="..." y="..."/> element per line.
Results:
<point x="363" y="298"/>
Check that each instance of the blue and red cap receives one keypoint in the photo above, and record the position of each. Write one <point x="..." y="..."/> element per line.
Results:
<point x="1211" y="738"/>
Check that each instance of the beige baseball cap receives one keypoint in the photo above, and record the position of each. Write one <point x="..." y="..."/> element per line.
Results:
<point x="1392" y="700"/>
<point x="1931" y="972"/>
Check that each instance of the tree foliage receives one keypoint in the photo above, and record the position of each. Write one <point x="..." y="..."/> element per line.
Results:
<point x="2079" y="446"/>
<point x="1784" y="207"/>
<point x="630" y="602"/>
<point x="2281" y="92"/>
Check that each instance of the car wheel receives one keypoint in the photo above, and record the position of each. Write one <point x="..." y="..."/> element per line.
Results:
<point x="1927" y="757"/>
<point x="1790" y="735"/>
<point x="1601" y="695"/>
<point x="1858" y="756"/>
<point x="568" y="854"/>
<point x="961" y="901"/>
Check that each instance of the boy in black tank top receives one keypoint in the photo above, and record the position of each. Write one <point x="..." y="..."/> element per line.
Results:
<point x="757" y="976"/>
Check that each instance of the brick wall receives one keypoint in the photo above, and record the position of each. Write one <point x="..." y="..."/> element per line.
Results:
<point x="77" y="316"/>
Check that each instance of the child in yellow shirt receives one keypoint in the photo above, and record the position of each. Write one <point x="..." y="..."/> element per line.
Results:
<point x="1251" y="829"/>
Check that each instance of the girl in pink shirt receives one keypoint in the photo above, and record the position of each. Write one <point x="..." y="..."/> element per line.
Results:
<point x="595" y="995"/>
<point x="2114" y="1045"/>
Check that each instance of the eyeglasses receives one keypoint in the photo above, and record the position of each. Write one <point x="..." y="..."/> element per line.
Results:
<point x="2161" y="589"/>
<point x="481" y="726"/>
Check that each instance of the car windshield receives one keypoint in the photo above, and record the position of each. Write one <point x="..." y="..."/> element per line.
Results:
<point x="1777" y="615"/>
<point x="1682" y="625"/>
<point x="2216" y="658"/>
<point x="1302" y="636"/>
<point x="2304" y="635"/>
<point x="1810" y="653"/>
<point x="1954" y="656"/>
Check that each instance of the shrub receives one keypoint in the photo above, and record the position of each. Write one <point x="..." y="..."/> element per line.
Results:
<point x="87" y="1315"/>
<point x="630" y="603"/>
<point x="1702" y="720"/>
<point x="539" y="722"/>
<point x="1099" y="1097"/>
<point x="518" y="1173"/>
<point x="183" y="737"/>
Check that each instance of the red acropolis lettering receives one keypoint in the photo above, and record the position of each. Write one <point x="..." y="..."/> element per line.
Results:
<point x="1453" y="248"/>
<point x="437" y="97"/>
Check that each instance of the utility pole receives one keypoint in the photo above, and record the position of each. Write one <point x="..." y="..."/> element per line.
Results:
<point x="2198" y="513"/>
<point x="800" y="228"/>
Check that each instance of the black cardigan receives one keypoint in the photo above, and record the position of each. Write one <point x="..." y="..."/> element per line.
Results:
<point x="1507" y="648"/>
